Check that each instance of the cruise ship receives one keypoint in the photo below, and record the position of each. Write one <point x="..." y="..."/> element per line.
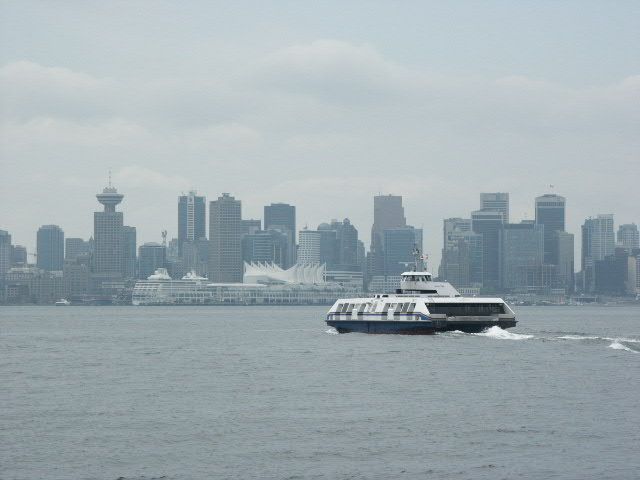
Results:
<point x="263" y="284"/>
<point x="419" y="307"/>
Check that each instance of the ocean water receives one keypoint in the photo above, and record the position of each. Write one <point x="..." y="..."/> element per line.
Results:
<point x="216" y="392"/>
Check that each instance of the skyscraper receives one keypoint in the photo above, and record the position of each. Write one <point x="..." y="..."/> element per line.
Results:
<point x="267" y="247"/>
<point x="129" y="252"/>
<point x="151" y="256"/>
<point x="108" y="239"/>
<point x="399" y="244"/>
<point x="598" y="242"/>
<point x="461" y="263"/>
<point x="309" y="248"/>
<point x="628" y="236"/>
<point x="522" y="257"/>
<point x="191" y="218"/>
<point x="495" y="202"/>
<point x="550" y="212"/>
<point x="388" y="212"/>
<point x="225" y="251"/>
<point x="5" y="252"/>
<point x="282" y="216"/>
<point x="489" y="224"/>
<point x="19" y="256"/>
<point x="50" y="248"/>
<point x="74" y="247"/>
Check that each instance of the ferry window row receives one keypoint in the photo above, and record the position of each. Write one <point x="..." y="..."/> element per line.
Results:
<point x="466" y="309"/>
<point x="406" y="307"/>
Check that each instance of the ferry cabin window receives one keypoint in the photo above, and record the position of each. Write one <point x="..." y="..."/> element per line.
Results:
<point x="405" y="307"/>
<point x="466" y="309"/>
<point x="412" y="308"/>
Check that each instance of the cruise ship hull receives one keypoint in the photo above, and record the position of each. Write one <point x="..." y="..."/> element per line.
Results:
<point x="385" y="327"/>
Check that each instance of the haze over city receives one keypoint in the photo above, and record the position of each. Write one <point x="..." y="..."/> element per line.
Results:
<point x="317" y="106"/>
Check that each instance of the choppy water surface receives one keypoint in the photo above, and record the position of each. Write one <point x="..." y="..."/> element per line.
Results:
<point x="141" y="393"/>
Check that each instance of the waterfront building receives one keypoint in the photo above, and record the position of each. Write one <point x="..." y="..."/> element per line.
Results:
<point x="550" y="212"/>
<point x="74" y="247"/>
<point x="628" y="236"/>
<point x="488" y="224"/>
<point x="495" y="202"/>
<point x="33" y="285"/>
<point x="151" y="256"/>
<point x="191" y="218"/>
<point x="269" y="246"/>
<point x="225" y="255"/>
<point x="264" y="284"/>
<point x="522" y="257"/>
<point x="76" y="276"/>
<point x="309" y="248"/>
<point x="18" y="256"/>
<point x="50" y="248"/>
<point x="129" y="260"/>
<point x="612" y="273"/>
<point x="388" y="213"/>
<point x="282" y="216"/>
<point x="108" y="240"/>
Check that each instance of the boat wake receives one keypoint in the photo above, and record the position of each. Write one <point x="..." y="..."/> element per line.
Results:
<point x="499" y="333"/>
<point x="331" y="331"/>
<point x="617" y="345"/>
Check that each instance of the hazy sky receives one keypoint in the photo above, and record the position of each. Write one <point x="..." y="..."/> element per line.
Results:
<point x="318" y="104"/>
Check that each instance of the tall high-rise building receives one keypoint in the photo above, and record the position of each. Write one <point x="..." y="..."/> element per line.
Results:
<point x="388" y="213"/>
<point x="565" y="268"/>
<point x="329" y="247"/>
<point x="5" y="252"/>
<point x="522" y="257"/>
<point x="74" y="247"/>
<point x="461" y="263"/>
<point x="107" y="237"/>
<point x="598" y="242"/>
<point x="151" y="256"/>
<point x="129" y="260"/>
<point x="225" y="250"/>
<point x="309" y="247"/>
<point x="18" y="256"/>
<point x="399" y="244"/>
<point x="50" y="248"/>
<point x="489" y="224"/>
<point x="249" y="226"/>
<point x="266" y="247"/>
<point x="282" y="216"/>
<point x="628" y="236"/>
<point x="191" y="218"/>
<point x="495" y="202"/>
<point x="550" y="212"/>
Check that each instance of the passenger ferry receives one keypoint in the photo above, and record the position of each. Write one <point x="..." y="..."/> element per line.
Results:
<point x="419" y="307"/>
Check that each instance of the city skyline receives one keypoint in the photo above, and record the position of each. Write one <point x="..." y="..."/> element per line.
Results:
<point x="435" y="257"/>
<point x="311" y="109"/>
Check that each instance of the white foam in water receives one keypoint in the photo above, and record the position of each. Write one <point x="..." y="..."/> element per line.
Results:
<point x="616" y="345"/>
<point x="622" y="339"/>
<point x="578" y="337"/>
<point x="497" y="332"/>
<point x="331" y="331"/>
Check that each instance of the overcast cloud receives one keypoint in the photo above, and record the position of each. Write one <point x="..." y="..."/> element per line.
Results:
<point x="321" y="109"/>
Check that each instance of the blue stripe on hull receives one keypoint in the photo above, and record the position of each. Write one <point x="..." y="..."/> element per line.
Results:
<point x="377" y="326"/>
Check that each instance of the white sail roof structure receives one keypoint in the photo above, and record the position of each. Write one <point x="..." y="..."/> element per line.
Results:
<point x="300" y="274"/>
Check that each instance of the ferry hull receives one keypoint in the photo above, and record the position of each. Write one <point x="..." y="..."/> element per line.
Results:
<point x="420" y="327"/>
<point x="383" y="327"/>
